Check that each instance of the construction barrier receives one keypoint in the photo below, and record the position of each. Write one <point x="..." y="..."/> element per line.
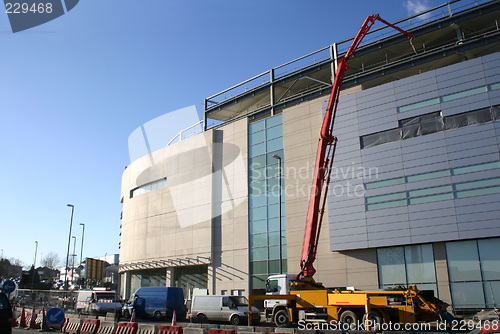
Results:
<point x="73" y="326"/>
<point x="221" y="331"/>
<point x="90" y="326"/>
<point x="166" y="329"/>
<point x="127" y="328"/>
<point x="65" y="324"/>
<point x="107" y="327"/>
<point x="147" y="329"/>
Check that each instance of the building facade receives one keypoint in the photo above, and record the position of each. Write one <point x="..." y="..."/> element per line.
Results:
<point x="415" y="185"/>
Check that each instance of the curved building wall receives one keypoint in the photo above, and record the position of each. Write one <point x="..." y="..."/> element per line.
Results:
<point x="185" y="210"/>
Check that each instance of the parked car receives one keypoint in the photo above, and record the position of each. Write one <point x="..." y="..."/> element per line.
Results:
<point x="488" y="327"/>
<point x="97" y="302"/>
<point x="157" y="302"/>
<point x="233" y="309"/>
<point x="6" y="315"/>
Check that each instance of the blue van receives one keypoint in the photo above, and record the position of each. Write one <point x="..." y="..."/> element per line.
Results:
<point x="156" y="302"/>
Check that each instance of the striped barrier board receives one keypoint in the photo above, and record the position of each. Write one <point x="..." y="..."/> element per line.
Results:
<point x="147" y="329"/>
<point x="221" y="331"/>
<point x="166" y="329"/>
<point x="107" y="327"/>
<point x="90" y="326"/>
<point x="73" y="326"/>
<point x="127" y="328"/>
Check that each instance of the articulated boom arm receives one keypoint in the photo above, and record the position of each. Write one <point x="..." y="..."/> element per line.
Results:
<point x="326" y="147"/>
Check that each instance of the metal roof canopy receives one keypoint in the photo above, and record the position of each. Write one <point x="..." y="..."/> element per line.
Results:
<point x="446" y="36"/>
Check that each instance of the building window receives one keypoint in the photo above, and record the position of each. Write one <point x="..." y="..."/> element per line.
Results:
<point x="474" y="272"/>
<point x="159" y="184"/>
<point x="265" y="139"/>
<point x="405" y="265"/>
<point x="430" y="123"/>
<point x="432" y="194"/>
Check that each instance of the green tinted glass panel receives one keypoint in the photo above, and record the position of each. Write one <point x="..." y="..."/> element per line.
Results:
<point x="273" y="121"/>
<point x="257" y="200"/>
<point x="384" y="183"/>
<point x="256" y="138"/>
<point x="464" y="93"/>
<point x="274" y="224"/>
<point x="429" y="191"/>
<point x="259" y="267"/>
<point x="495" y="86"/>
<point x="257" y="188"/>
<point x="477" y="192"/>
<point x="274" y="132"/>
<point x="427" y="176"/>
<point x="258" y="226"/>
<point x="274" y="238"/>
<point x="419" y="105"/>
<point x="257" y="126"/>
<point x="258" y="254"/>
<point x="259" y="240"/>
<point x="273" y="211"/>
<point x="385" y="205"/>
<point x="428" y="199"/>
<point x="257" y="174"/>
<point x="258" y="213"/>
<point x="384" y="198"/>
<point x="258" y="162"/>
<point x="259" y="281"/>
<point x="475" y="168"/>
<point x="274" y="252"/>
<point x="257" y="149"/>
<point x="477" y="184"/>
<point x="274" y="144"/>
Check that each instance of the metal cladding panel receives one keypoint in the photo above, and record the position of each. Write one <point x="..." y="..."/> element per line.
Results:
<point x="438" y="220"/>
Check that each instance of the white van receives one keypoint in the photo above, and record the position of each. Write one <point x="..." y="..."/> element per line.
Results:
<point x="97" y="302"/>
<point x="223" y="308"/>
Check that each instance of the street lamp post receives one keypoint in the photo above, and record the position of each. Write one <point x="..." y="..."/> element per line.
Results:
<point x="81" y="249"/>
<point x="34" y="266"/>
<point x="279" y="186"/>
<point x="73" y="261"/>
<point x="69" y="243"/>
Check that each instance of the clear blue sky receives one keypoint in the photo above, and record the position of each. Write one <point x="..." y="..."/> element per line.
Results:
<point x="73" y="89"/>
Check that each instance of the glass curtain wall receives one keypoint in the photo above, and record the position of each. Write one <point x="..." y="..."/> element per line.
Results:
<point x="405" y="265"/>
<point x="265" y="141"/>
<point x="474" y="270"/>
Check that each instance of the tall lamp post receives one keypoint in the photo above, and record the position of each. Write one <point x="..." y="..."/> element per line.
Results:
<point x="73" y="261"/>
<point x="69" y="243"/>
<point x="279" y="186"/>
<point x="81" y="249"/>
<point x="34" y="266"/>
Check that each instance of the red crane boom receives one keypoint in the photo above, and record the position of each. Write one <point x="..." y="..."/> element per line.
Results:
<point x="326" y="146"/>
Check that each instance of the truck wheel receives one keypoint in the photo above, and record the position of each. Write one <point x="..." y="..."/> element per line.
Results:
<point x="374" y="317"/>
<point x="282" y="319"/>
<point x="157" y="315"/>
<point x="348" y="317"/>
<point x="235" y="320"/>
<point x="126" y="314"/>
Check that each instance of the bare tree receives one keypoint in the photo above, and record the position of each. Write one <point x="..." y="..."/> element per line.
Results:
<point x="51" y="260"/>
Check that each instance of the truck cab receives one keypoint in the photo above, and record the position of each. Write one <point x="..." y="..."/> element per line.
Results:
<point x="277" y="285"/>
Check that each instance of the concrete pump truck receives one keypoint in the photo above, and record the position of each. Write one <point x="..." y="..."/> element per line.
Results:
<point x="291" y="299"/>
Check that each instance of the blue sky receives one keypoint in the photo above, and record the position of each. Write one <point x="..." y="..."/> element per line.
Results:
<point x="75" y="88"/>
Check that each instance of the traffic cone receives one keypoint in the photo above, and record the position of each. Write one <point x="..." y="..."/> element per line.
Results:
<point x="174" y="319"/>
<point x="132" y="318"/>
<point x="22" y="322"/>
<point x="44" y="325"/>
<point x="33" y="319"/>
